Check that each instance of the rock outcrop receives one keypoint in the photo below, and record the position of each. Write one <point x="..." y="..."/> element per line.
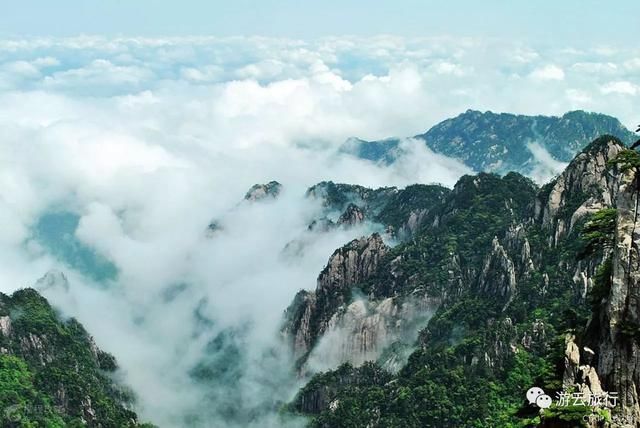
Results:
<point x="402" y="212"/>
<point x="498" y="275"/>
<point x="618" y="339"/>
<point x="53" y="279"/>
<point x="352" y="216"/>
<point x="260" y="192"/>
<point x="509" y="267"/>
<point x="586" y="185"/>
<point x="67" y="378"/>
<point x="364" y="329"/>
<point x="310" y="315"/>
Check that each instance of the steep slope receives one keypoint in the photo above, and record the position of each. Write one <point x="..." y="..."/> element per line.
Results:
<point x="614" y="330"/>
<point x="51" y="372"/>
<point x="400" y="211"/>
<point x="533" y="288"/>
<point x="261" y="191"/>
<point x="494" y="142"/>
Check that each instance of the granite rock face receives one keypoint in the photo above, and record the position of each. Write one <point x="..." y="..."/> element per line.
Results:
<point x="311" y="313"/>
<point x="587" y="185"/>
<point x="259" y="192"/>
<point x="498" y="275"/>
<point x="618" y="349"/>
<point x="533" y="254"/>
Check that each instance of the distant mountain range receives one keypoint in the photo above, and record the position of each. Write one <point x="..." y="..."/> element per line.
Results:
<point x="501" y="142"/>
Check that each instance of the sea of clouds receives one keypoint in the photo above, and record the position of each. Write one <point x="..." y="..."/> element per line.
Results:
<point x="146" y="140"/>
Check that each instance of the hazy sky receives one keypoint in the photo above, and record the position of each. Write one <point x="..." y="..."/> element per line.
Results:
<point x="570" y="21"/>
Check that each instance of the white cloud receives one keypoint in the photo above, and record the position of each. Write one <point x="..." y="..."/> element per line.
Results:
<point x="211" y="73"/>
<point x="448" y="68"/>
<point x="99" y="72"/>
<point x="548" y="72"/>
<point x="620" y="87"/>
<point x="46" y="61"/>
<point x="632" y="64"/>
<point x="545" y="167"/>
<point x="22" y="68"/>
<point x="525" y="55"/>
<point x="578" y="97"/>
<point x="595" y="67"/>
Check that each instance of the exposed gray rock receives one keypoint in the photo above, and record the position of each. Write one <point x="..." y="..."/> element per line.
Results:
<point x="585" y="186"/>
<point x="262" y="191"/>
<point x="618" y="350"/>
<point x="34" y="345"/>
<point x="498" y="275"/>
<point x="5" y="326"/>
<point x="581" y="377"/>
<point x="351" y="216"/>
<point x="364" y="329"/>
<point x="309" y="315"/>
<point x="352" y="263"/>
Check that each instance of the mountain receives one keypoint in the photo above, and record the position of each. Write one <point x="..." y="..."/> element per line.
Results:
<point x="261" y="191"/>
<point x="503" y="286"/>
<point x="52" y="374"/>
<point x="398" y="210"/>
<point x="493" y="142"/>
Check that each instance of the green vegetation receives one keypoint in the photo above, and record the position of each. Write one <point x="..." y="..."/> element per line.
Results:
<point x="410" y="199"/>
<point x="598" y="232"/>
<point x="22" y="404"/>
<point x="481" y="351"/>
<point x="51" y="373"/>
<point x="487" y="141"/>
<point x="626" y="160"/>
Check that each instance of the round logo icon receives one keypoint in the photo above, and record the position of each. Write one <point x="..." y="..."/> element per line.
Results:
<point x="544" y="401"/>
<point x="533" y="394"/>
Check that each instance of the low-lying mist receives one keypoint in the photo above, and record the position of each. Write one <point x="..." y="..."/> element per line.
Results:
<point x="192" y="315"/>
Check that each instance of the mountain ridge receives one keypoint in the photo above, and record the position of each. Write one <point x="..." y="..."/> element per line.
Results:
<point x="52" y="373"/>
<point x="500" y="142"/>
<point x="530" y="285"/>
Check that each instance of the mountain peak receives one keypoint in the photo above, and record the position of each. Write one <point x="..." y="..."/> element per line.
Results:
<point x="603" y="143"/>
<point x="259" y="192"/>
<point x="62" y="372"/>
<point x="502" y="142"/>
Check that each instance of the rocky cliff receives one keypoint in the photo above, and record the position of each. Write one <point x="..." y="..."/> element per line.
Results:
<point x="616" y="320"/>
<point x="399" y="212"/>
<point x="51" y="371"/>
<point x="313" y="313"/>
<point x="538" y="285"/>
<point x="262" y="191"/>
